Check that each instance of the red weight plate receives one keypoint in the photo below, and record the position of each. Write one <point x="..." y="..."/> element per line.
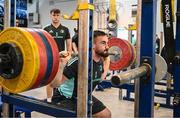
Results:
<point x="49" y="53"/>
<point x="133" y="52"/>
<point x="43" y="57"/>
<point x="124" y="51"/>
<point x="55" y="55"/>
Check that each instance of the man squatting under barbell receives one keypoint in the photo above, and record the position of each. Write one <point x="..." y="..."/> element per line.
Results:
<point x="66" y="93"/>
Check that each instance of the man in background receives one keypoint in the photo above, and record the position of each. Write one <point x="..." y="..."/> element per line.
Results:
<point x="61" y="35"/>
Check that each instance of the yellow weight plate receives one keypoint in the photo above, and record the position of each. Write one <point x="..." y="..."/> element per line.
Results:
<point x="29" y="50"/>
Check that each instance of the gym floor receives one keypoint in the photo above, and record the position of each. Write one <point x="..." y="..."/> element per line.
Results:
<point x="110" y="97"/>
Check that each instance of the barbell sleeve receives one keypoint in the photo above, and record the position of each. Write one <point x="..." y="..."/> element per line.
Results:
<point x="126" y="77"/>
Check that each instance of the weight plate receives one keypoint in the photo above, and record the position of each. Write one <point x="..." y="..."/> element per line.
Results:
<point x="120" y="46"/>
<point x="29" y="49"/>
<point x="55" y="56"/>
<point x="42" y="56"/>
<point x="161" y="68"/>
<point x="49" y="52"/>
<point x="133" y="50"/>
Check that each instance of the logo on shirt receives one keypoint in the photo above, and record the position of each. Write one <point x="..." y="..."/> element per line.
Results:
<point x="61" y="31"/>
<point x="96" y="75"/>
<point x="100" y="68"/>
<point x="50" y="31"/>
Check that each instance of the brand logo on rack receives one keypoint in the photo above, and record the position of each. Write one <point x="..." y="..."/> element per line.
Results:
<point x="167" y="15"/>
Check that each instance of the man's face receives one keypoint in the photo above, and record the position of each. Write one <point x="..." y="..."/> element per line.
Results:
<point x="101" y="46"/>
<point x="55" y="17"/>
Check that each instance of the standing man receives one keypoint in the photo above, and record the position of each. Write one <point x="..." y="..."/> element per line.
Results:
<point x="59" y="32"/>
<point x="66" y="94"/>
<point x="61" y="35"/>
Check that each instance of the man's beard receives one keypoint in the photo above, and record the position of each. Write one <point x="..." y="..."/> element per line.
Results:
<point x="102" y="53"/>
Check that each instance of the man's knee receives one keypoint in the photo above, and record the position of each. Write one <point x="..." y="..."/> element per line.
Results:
<point x="106" y="113"/>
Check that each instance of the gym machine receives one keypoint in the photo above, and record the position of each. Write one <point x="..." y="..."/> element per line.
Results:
<point x="145" y="86"/>
<point x="176" y="75"/>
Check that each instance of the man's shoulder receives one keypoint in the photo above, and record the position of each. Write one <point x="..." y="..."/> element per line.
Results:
<point x="64" y="27"/>
<point x="99" y="63"/>
<point x="47" y="27"/>
<point x="72" y="61"/>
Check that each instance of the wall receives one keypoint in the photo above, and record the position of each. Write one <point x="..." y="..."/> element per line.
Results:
<point x="46" y="5"/>
<point x="123" y="10"/>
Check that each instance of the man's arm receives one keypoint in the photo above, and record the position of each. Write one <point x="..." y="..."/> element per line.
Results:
<point x="106" y="64"/>
<point x="69" y="45"/>
<point x="59" y="78"/>
<point x="74" y="48"/>
<point x="68" y="41"/>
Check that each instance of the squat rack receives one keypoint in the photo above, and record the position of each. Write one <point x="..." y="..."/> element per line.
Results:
<point x="176" y="75"/>
<point x="146" y="35"/>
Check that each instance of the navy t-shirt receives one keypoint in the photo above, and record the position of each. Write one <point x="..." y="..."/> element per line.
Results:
<point x="60" y="34"/>
<point x="69" y="88"/>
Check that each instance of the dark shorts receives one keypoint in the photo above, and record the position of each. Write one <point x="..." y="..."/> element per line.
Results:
<point x="71" y="104"/>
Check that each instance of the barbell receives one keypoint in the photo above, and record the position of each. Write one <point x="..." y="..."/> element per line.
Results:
<point x="121" y="52"/>
<point x="29" y="58"/>
<point x="143" y="70"/>
<point x="126" y="77"/>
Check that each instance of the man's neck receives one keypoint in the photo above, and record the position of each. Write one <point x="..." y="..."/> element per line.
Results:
<point x="96" y="58"/>
<point x="56" y="25"/>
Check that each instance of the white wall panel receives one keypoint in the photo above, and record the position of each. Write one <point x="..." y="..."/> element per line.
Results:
<point x="124" y="8"/>
<point x="46" y="5"/>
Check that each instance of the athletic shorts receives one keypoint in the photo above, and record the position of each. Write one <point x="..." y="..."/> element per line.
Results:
<point x="71" y="104"/>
